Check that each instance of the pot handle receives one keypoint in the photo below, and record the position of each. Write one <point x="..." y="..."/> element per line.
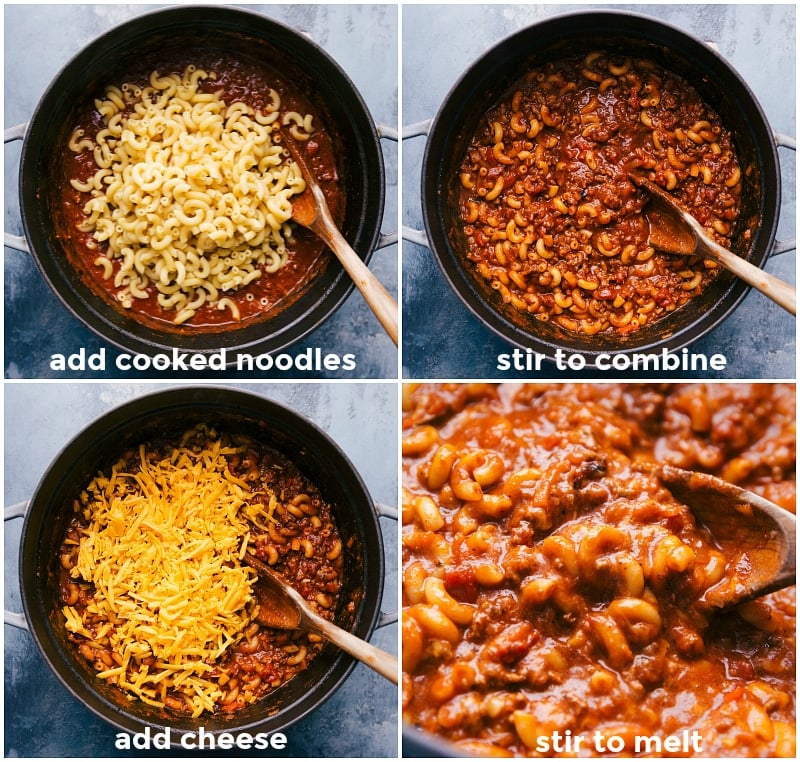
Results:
<point x="17" y="132"/>
<point x="413" y="235"/>
<point x="784" y="141"/>
<point x="417" y="129"/>
<point x="386" y="132"/>
<point x="386" y="512"/>
<point x="386" y="239"/>
<point x="11" y="617"/>
<point x="17" y="242"/>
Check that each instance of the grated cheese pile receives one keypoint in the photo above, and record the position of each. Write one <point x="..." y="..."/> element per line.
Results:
<point x="163" y="550"/>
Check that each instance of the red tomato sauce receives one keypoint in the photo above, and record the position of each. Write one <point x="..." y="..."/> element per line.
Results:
<point x="240" y="80"/>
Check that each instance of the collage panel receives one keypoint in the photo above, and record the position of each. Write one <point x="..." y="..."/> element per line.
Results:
<point x="584" y="416"/>
<point x="122" y="544"/>
<point x="529" y="137"/>
<point x="585" y="568"/>
<point x="193" y="268"/>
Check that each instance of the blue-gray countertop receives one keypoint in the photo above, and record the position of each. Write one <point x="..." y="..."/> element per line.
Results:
<point x="441" y="338"/>
<point x="41" y="39"/>
<point x="41" y="717"/>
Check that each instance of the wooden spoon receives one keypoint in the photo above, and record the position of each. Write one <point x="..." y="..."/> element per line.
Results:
<point x="756" y="536"/>
<point x="310" y="210"/>
<point x="674" y="231"/>
<point x="282" y="607"/>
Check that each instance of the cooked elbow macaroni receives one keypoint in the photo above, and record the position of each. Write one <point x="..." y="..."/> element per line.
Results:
<point x="191" y="198"/>
<point x="551" y="584"/>
<point x="550" y="218"/>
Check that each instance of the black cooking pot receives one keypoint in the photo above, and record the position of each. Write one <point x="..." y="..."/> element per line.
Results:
<point x="488" y="79"/>
<point x="174" y="410"/>
<point x="247" y="35"/>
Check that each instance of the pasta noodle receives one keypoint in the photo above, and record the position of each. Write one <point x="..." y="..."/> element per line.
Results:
<point x="191" y="197"/>
<point x="155" y="595"/>
<point x="545" y="192"/>
<point x="551" y="584"/>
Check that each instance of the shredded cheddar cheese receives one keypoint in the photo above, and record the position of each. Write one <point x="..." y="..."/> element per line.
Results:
<point x="163" y="550"/>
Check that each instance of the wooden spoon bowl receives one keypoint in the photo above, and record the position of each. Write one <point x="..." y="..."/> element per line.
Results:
<point x="675" y="231"/>
<point x="283" y="608"/>
<point x="310" y="209"/>
<point x="757" y="537"/>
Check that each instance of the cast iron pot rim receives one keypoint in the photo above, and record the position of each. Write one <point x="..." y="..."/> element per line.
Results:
<point x="128" y="335"/>
<point x="461" y="282"/>
<point x="159" y="402"/>
<point x="419" y="743"/>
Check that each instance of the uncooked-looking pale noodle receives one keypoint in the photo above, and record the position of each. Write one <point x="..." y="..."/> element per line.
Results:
<point x="191" y="196"/>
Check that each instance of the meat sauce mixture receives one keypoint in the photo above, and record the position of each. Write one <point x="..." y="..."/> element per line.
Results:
<point x="552" y="586"/>
<point x="549" y="216"/>
<point x="240" y="80"/>
<point x="302" y="544"/>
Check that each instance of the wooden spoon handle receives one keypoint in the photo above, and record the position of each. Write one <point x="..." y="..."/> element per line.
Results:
<point x="375" y="294"/>
<point x="780" y="292"/>
<point x="317" y="217"/>
<point x="381" y="661"/>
